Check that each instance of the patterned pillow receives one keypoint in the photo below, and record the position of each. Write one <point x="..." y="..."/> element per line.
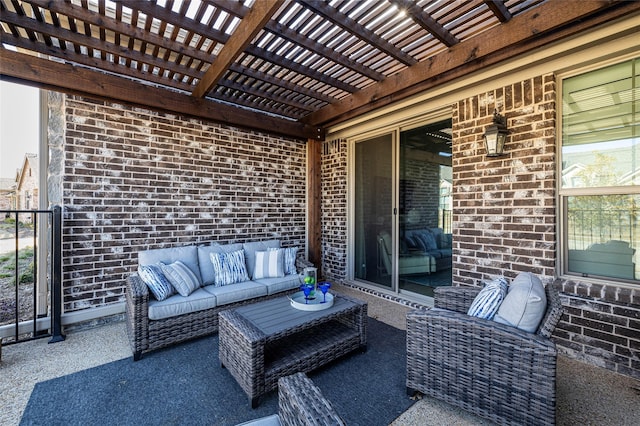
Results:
<point x="153" y="277"/>
<point x="290" y="260"/>
<point x="181" y="277"/>
<point x="229" y="268"/>
<point x="269" y="264"/>
<point x="486" y="303"/>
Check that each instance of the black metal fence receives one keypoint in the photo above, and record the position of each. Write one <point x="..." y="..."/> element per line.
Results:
<point x="590" y="226"/>
<point x="30" y="309"/>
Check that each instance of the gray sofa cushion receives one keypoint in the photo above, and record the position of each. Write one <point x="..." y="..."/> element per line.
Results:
<point x="187" y="255"/>
<point x="236" y="292"/>
<point x="251" y="248"/>
<point x="276" y="285"/>
<point x="179" y="305"/>
<point x="204" y="259"/>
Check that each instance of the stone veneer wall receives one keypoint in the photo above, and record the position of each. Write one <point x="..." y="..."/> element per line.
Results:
<point x="130" y="179"/>
<point x="505" y="221"/>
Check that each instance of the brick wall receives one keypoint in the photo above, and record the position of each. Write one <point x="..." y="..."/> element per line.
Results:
<point x="504" y="207"/>
<point x="132" y="179"/>
<point x="334" y="209"/>
<point x="504" y="221"/>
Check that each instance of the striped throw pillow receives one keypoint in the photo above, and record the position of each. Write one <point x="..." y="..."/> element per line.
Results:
<point x="229" y="268"/>
<point x="269" y="264"/>
<point x="486" y="303"/>
<point x="290" y="260"/>
<point x="158" y="284"/>
<point x="181" y="277"/>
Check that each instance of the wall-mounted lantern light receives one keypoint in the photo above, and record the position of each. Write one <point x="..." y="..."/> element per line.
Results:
<point x="495" y="135"/>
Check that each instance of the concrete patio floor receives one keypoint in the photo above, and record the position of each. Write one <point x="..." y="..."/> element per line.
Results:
<point x="587" y="395"/>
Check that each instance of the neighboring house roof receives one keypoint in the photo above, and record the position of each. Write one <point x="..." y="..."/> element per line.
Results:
<point x="7" y="184"/>
<point x="30" y="161"/>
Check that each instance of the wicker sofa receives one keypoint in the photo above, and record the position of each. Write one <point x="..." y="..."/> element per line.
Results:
<point x="300" y="403"/>
<point x="153" y="324"/>
<point x="494" y="370"/>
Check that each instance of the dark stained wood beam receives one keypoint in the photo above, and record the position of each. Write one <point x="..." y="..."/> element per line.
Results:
<point x="247" y="29"/>
<point x="300" y="69"/>
<point x="499" y="9"/>
<point x="314" y="207"/>
<point x="93" y="43"/>
<point x="331" y="14"/>
<point x="313" y="46"/>
<point x="42" y="73"/>
<point x="181" y="49"/>
<point x="535" y="28"/>
<point x="293" y="36"/>
<point x="426" y="21"/>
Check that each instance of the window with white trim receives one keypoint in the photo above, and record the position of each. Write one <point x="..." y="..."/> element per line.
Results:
<point x="600" y="172"/>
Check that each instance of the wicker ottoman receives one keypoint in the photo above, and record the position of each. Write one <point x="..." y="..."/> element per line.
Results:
<point x="265" y="341"/>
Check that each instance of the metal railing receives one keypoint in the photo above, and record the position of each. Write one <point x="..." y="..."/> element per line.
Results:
<point x="46" y="304"/>
<point x="591" y="226"/>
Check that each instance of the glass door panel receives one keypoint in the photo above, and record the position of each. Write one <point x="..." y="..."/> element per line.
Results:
<point x="373" y="210"/>
<point x="424" y="205"/>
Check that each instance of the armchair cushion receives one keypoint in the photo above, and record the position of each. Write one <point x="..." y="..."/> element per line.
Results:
<point x="486" y="303"/>
<point x="525" y="303"/>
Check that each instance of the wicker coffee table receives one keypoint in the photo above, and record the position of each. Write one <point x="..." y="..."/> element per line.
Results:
<point x="261" y="342"/>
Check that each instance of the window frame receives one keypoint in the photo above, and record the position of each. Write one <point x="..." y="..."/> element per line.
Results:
<point x="563" y="194"/>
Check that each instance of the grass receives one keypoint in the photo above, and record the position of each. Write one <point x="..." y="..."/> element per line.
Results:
<point x="25" y="265"/>
<point x="9" y="225"/>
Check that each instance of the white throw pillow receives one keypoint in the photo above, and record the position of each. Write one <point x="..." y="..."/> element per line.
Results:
<point x="525" y="303"/>
<point x="486" y="303"/>
<point x="269" y="264"/>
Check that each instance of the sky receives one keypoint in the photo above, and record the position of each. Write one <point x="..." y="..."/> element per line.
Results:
<point x="19" y="126"/>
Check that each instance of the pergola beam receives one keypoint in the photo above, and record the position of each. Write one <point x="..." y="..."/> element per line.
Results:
<point x="82" y="81"/>
<point x="249" y="27"/>
<point x="544" y="24"/>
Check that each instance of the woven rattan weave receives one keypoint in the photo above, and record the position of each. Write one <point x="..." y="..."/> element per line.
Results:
<point x="493" y="370"/>
<point x="262" y="342"/>
<point x="147" y="335"/>
<point x="300" y="403"/>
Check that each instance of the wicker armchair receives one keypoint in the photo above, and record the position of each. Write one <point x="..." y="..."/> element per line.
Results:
<point x="300" y="403"/>
<point x="489" y="369"/>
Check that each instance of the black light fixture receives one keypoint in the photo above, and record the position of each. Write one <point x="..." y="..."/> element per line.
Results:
<point x="495" y="135"/>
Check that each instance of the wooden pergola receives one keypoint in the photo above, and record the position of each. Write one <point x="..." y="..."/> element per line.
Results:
<point x="287" y="67"/>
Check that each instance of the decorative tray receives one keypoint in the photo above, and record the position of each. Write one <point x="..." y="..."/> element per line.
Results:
<point x="316" y="304"/>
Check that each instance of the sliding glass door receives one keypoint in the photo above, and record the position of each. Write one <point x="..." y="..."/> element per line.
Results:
<point x="373" y="209"/>
<point x="402" y="209"/>
<point x="424" y="196"/>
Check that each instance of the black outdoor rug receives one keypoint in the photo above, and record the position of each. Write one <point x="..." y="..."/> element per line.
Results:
<point x="185" y="385"/>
